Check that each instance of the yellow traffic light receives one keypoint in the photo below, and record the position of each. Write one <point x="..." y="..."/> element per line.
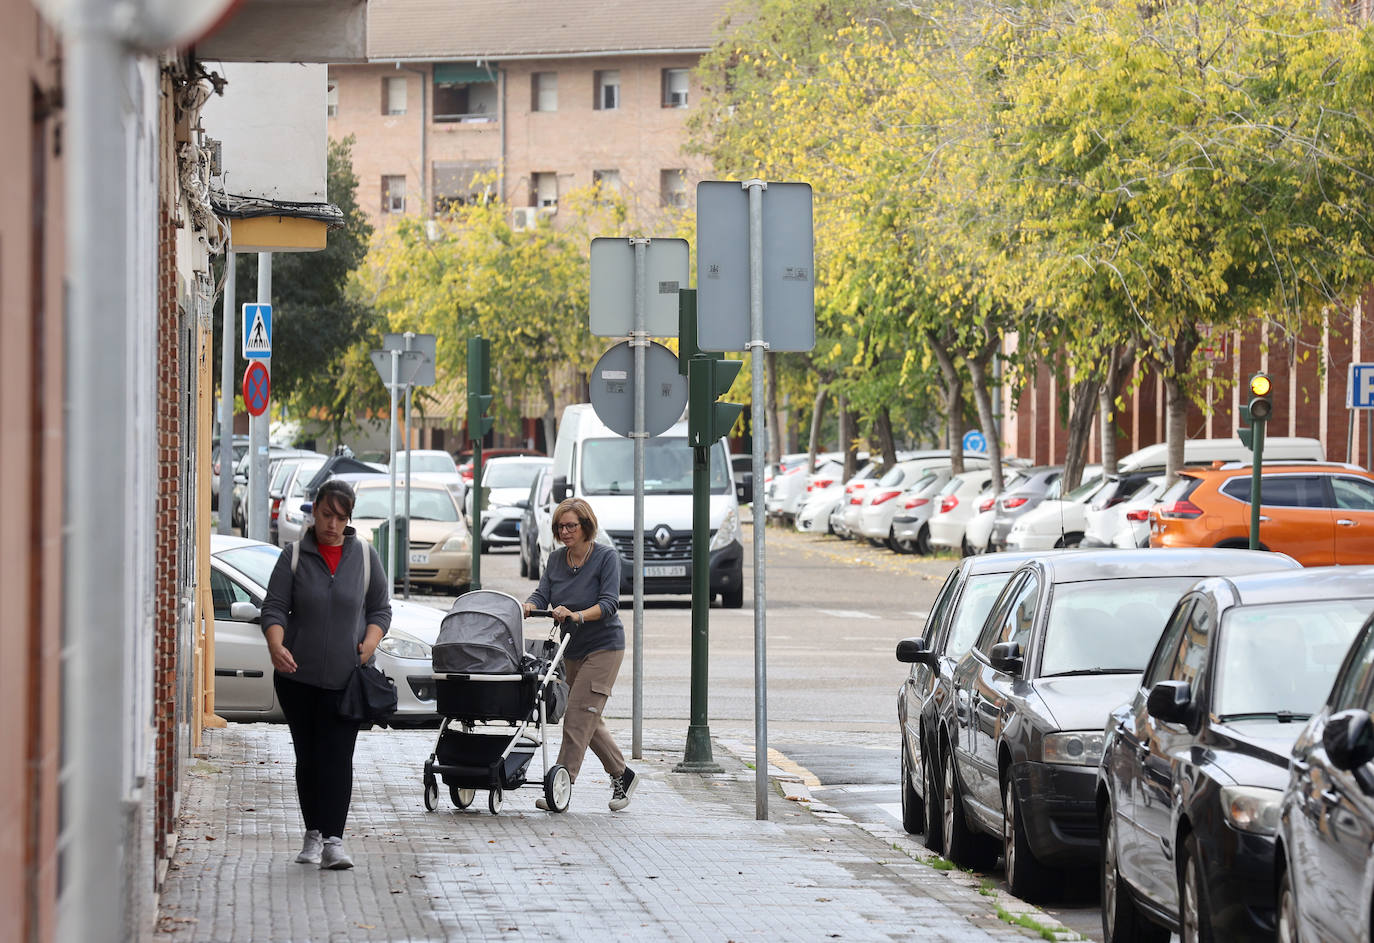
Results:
<point x="1260" y="385"/>
<point x="1261" y="405"/>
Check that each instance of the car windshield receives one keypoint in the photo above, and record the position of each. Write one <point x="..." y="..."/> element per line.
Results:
<point x="608" y="467"/>
<point x="1108" y="626"/>
<point x="434" y="462"/>
<point x="1278" y="661"/>
<point x="511" y="474"/>
<point x="305" y="471"/>
<point x="426" y="504"/>
<point x="980" y="592"/>
<point x="254" y="561"/>
<point x="1085" y="490"/>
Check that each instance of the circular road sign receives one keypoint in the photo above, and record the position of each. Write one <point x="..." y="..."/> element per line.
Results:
<point x="974" y="441"/>
<point x="612" y="389"/>
<point x="257" y="388"/>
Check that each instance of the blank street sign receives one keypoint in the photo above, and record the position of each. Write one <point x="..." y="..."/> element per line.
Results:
<point x="612" y="295"/>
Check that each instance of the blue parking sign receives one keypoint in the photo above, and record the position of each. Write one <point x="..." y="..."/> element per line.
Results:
<point x="974" y="441"/>
<point x="1359" y="390"/>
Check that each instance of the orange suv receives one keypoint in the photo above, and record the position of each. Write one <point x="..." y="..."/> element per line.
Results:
<point x="1319" y="513"/>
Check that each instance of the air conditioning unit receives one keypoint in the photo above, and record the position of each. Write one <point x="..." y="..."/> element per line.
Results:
<point x="524" y="217"/>
<point x="432" y="230"/>
<point x="677" y="99"/>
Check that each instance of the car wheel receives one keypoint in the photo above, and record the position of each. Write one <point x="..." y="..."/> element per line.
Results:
<point x="923" y="541"/>
<point x="524" y="563"/>
<point x="913" y="809"/>
<point x="1195" y="917"/>
<point x="534" y="564"/>
<point x="1286" y="930"/>
<point x="1069" y="541"/>
<point x="1026" y="876"/>
<point x="962" y="846"/>
<point x="1121" y="921"/>
<point x="733" y="598"/>
<point x="965" y="548"/>
<point x="935" y="835"/>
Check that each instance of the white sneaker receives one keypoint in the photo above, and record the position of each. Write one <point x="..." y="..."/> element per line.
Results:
<point x="333" y="857"/>
<point x="310" y="850"/>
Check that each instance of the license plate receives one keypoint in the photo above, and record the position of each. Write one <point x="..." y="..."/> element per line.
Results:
<point x="675" y="570"/>
<point x="418" y="557"/>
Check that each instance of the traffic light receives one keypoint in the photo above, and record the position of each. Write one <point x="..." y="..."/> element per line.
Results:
<point x="707" y="379"/>
<point x="479" y="388"/>
<point x="1261" y="403"/>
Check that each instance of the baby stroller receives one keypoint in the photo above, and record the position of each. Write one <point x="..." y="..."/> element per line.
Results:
<point x="487" y="682"/>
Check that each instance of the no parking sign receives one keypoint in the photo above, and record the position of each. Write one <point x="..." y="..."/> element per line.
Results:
<point x="257" y="388"/>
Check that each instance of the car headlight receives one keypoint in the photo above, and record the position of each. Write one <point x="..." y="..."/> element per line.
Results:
<point x="1251" y="808"/>
<point x="398" y="644"/>
<point x="456" y="542"/>
<point x="728" y="530"/>
<point x="1073" y="747"/>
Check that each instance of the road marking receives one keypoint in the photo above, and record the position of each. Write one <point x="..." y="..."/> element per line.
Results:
<point x="847" y="613"/>
<point x="788" y="765"/>
<point x="918" y="613"/>
<point x="893" y="809"/>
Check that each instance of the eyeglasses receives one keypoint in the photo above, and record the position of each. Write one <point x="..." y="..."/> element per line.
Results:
<point x="567" y="526"/>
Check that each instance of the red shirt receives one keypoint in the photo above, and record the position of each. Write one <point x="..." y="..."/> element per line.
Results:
<point x="331" y="556"/>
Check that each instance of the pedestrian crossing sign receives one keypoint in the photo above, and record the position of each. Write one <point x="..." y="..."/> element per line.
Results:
<point x="257" y="332"/>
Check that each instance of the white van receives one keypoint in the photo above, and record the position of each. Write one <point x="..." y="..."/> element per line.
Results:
<point x="592" y="462"/>
<point x="1207" y="451"/>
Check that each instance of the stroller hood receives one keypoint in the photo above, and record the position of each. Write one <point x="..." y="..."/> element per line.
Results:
<point x="482" y="634"/>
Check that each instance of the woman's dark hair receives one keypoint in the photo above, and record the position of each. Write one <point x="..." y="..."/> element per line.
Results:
<point x="339" y="495"/>
<point x="585" y="515"/>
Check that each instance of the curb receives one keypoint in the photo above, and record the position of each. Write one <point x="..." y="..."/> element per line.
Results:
<point x="792" y="786"/>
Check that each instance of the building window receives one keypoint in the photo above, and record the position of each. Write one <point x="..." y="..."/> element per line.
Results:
<point x="544" y="191"/>
<point x="607" y="90"/>
<point x="394" y="95"/>
<point x="463" y="93"/>
<point x="462" y="183"/>
<point x="607" y="183"/>
<point x="331" y="100"/>
<point x="674" y="88"/>
<point x="394" y="194"/>
<point x="672" y="186"/>
<point x="544" y="91"/>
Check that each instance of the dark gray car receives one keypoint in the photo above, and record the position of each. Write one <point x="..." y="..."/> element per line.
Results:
<point x="1028" y="491"/>
<point x="1063" y="646"/>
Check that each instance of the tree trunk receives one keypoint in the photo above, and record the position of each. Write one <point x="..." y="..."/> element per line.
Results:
<point x="549" y="417"/>
<point x="978" y="373"/>
<point x="882" y="424"/>
<point x="770" y="393"/>
<point x="954" y="401"/>
<point x="846" y="423"/>
<point x="814" y="443"/>
<point x="1082" y="408"/>
<point x="1118" y="365"/>
<point x="1176" y="398"/>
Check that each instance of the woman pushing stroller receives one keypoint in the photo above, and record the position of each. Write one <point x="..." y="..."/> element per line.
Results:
<point x="583" y="578"/>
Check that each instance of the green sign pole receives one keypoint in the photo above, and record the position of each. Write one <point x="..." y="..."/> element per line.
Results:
<point x="479" y="424"/>
<point x="1258" y="410"/>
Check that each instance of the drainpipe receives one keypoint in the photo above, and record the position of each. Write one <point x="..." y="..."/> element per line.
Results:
<point x="501" y="117"/>
<point x="96" y="775"/>
<point x="425" y="212"/>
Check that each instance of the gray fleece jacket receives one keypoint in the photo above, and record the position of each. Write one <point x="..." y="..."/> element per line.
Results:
<point x="324" y="614"/>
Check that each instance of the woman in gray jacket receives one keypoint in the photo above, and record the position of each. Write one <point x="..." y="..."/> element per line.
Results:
<point x="322" y="618"/>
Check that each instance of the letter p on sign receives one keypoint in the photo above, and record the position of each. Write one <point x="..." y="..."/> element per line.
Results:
<point x="1360" y="388"/>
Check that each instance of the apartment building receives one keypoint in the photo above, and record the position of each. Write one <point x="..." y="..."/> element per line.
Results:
<point x="530" y="99"/>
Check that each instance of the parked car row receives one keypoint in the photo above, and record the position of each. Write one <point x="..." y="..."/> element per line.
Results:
<point x="1162" y="716"/>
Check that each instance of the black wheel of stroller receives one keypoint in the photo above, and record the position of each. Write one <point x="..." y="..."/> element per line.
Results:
<point x="462" y="798"/>
<point x="431" y="794"/>
<point x="557" y="788"/>
<point x="494" y="800"/>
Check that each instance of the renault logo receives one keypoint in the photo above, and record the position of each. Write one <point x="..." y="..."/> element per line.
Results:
<point x="663" y="536"/>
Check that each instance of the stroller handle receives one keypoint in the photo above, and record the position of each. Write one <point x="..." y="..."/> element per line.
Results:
<point x="541" y="613"/>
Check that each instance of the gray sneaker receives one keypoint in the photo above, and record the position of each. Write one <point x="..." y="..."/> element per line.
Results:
<point x="333" y="857"/>
<point x="310" y="850"/>
<point x="621" y="788"/>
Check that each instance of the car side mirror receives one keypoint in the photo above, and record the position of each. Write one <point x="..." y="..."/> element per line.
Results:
<point x="1349" y="743"/>
<point x="523" y="504"/>
<point x="307" y="507"/>
<point x="560" y="488"/>
<point x="744" y="489"/>
<point x="1171" y="702"/>
<point x="913" y="651"/>
<point x="244" y="612"/>
<point x="1006" y="657"/>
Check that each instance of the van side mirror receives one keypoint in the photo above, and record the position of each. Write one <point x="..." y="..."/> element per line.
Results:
<point x="1349" y="743"/>
<point x="244" y="612"/>
<point x="560" y="488"/>
<point x="913" y="651"/>
<point x="1006" y="657"/>
<point x="1171" y="702"/>
<point x="744" y="489"/>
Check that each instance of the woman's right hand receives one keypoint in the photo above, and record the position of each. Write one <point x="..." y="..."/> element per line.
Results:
<point x="528" y="607"/>
<point x="281" y="659"/>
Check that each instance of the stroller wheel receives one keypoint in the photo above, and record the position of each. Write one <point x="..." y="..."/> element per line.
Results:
<point x="431" y="794"/>
<point x="558" y="788"/>
<point x="494" y="800"/>
<point x="462" y="798"/>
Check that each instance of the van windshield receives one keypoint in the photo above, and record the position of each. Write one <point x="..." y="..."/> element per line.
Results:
<point x="608" y="467"/>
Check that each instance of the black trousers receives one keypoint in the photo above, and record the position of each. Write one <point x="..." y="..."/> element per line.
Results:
<point x="324" y="753"/>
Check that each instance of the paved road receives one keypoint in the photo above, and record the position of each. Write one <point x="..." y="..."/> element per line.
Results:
<point x="836" y="610"/>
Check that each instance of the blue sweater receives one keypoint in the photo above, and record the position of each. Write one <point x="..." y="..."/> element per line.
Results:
<point x="596" y="583"/>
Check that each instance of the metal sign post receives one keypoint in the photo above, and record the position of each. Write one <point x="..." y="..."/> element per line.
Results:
<point x="755" y="292"/>
<point x="668" y="265"/>
<point x="396" y="368"/>
<point x="257" y="345"/>
<point x="424" y="376"/>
